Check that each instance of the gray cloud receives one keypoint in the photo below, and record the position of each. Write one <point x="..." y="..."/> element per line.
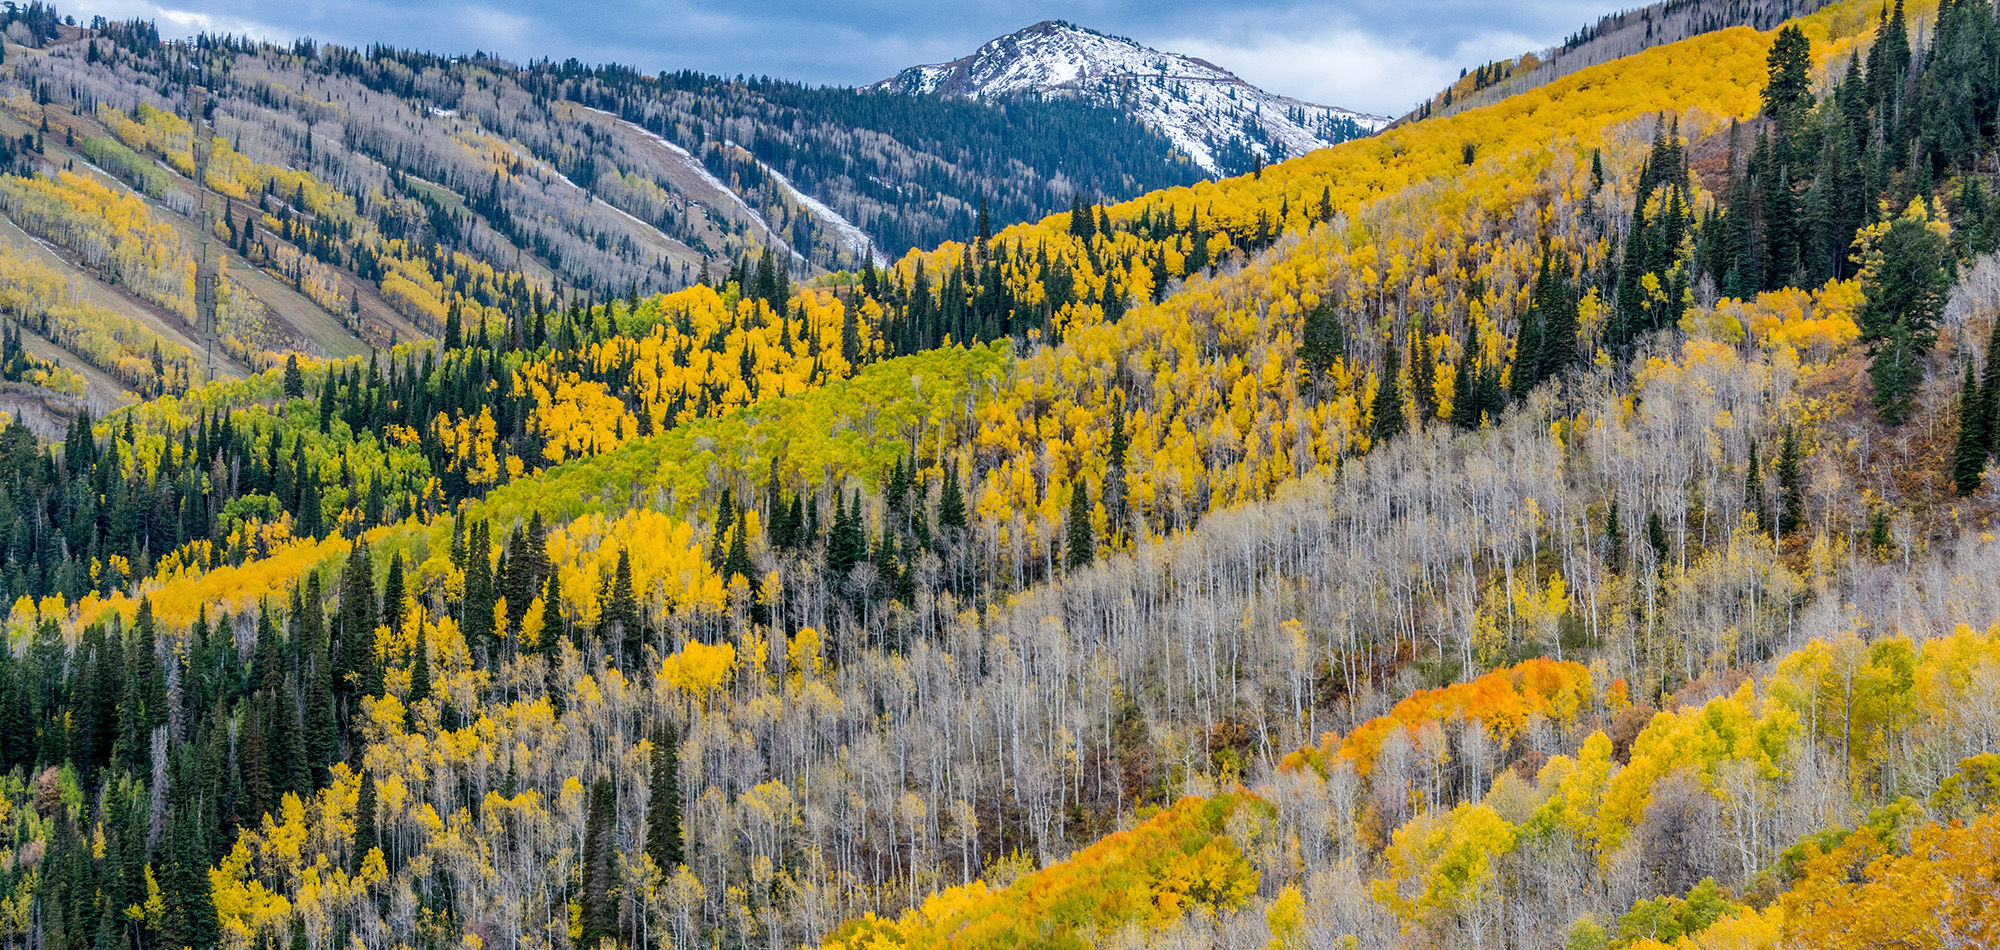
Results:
<point x="1376" y="57"/>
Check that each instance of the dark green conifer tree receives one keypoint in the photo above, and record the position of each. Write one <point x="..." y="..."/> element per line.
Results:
<point x="1117" y="514"/>
<point x="1968" y="458"/>
<point x="1656" y="538"/>
<point x="1528" y="346"/>
<point x="1614" y="538"/>
<point x="552" y="616"/>
<point x="1386" y="422"/>
<point x="322" y="738"/>
<point x="1753" y="485"/>
<point x="267" y="667"/>
<point x="1989" y="390"/>
<point x="365" y="835"/>
<point x="290" y="771"/>
<point x="420" y="672"/>
<point x="738" y="563"/>
<point x="1895" y="371"/>
<point x="1321" y="342"/>
<point x="1791" y="488"/>
<point x="479" y="594"/>
<point x="663" y="806"/>
<point x="254" y="761"/>
<point x="1081" y="545"/>
<point x="1788" y="90"/>
<point x="600" y="868"/>
<point x="394" y="589"/>
<point x="1910" y="285"/>
<point x="951" y="504"/>
<point x="1465" y="396"/>
<point x="1423" y="376"/>
<point x="356" y="617"/>
<point x="190" y="919"/>
<point x="295" y="381"/>
<point x="1082" y="219"/>
<point x="622" y="612"/>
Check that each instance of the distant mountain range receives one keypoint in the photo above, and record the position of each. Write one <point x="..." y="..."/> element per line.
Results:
<point x="409" y="183"/>
<point x="1219" y="122"/>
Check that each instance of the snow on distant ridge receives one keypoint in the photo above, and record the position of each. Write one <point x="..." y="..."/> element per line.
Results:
<point x="1200" y="107"/>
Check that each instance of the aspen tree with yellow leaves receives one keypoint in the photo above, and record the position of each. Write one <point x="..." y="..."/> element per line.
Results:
<point x="1100" y="580"/>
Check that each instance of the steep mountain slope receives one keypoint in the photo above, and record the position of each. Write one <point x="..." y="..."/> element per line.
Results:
<point x="1412" y="545"/>
<point x="359" y="197"/>
<point x="1221" y="123"/>
<point x="1615" y="35"/>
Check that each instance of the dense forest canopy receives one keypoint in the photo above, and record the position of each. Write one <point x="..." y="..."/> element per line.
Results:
<point x="1566" y="522"/>
<point x="350" y="199"/>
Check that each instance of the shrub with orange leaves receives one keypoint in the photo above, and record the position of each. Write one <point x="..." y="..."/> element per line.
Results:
<point x="1502" y="701"/>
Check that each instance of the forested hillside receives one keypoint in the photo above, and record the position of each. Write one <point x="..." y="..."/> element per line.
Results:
<point x="1564" y="523"/>
<point x="350" y="199"/>
<point x="1617" y="34"/>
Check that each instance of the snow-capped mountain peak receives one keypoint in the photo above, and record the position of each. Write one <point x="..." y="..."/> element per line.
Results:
<point x="1212" y="116"/>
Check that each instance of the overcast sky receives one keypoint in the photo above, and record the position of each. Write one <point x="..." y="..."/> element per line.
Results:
<point x="1375" y="56"/>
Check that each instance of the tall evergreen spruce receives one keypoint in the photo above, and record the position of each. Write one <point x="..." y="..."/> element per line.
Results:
<point x="1614" y="537"/>
<point x="1791" y="488"/>
<point x="600" y="867"/>
<point x="1904" y="299"/>
<point x="420" y="672"/>
<point x="394" y="589"/>
<point x="1423" y="377"/>
<point x="1753" y="485"/>
<point x="1989" y="391"/>
<point x="1788" y="91"/>
<point x="1082" y="546"/>
<point x="622" y="613"/>
<point x="1968" y="458"/>
<point x="1466" y="401"/>
<point x="365" y="834"/>
<point x="552" y="616"/>
<point x="295" y="383"/>
<point x="188" y="898"/>
<point x="322" y="739"/>
<point x="1386" y="421"/>
<point x="1321" y="342"/>
<point x="1116" y="509"/>
<point x="479" y="623"/>
<point x="290" y="771"/>
<point x="663" y="806"/>
<point x="951" y="502"/>
<point x="1894" y="372"/>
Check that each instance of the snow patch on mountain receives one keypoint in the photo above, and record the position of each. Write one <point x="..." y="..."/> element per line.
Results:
<point x="852" y="237"/>
<point x="701" y="171"/>
<point x="1210" y="115"/>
